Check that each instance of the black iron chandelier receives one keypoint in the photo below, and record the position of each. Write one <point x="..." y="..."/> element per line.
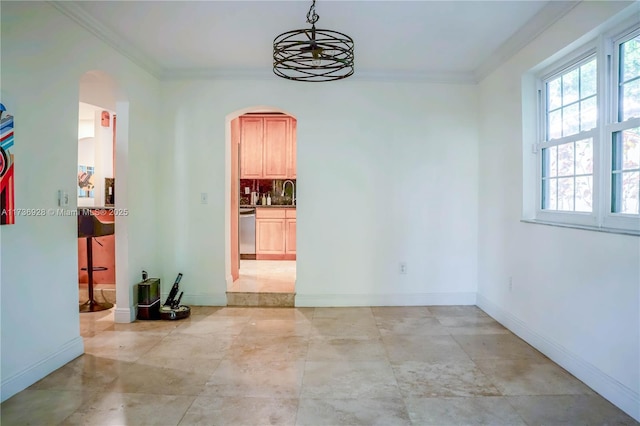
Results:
<point x="312" y="54"/>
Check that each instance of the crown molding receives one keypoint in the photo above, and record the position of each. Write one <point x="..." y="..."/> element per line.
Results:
<point x="546" y="17"/>
<point x="266" y="74"/>
<point x="124" y="47"/>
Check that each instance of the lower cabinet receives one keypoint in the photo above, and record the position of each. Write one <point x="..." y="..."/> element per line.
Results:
<point x="275" y="234"/>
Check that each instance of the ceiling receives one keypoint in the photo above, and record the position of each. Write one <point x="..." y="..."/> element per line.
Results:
<point x="438" y="40"/>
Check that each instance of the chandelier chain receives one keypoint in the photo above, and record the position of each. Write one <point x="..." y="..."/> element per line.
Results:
<point x="312" y="16"/>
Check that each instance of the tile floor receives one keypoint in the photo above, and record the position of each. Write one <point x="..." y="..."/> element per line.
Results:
<point x="309" y="366"/>
<point x="266" y="276"/>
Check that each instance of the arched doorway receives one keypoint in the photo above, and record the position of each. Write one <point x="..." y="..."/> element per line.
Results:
<point x="261" y="210"/>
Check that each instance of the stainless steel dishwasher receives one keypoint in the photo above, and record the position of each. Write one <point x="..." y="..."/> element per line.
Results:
<point x="247" y="233"/>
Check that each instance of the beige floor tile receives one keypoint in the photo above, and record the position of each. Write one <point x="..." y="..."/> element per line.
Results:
<point x="92" y="323"/>
<point x="159" y="327"/>
<point x="401" y="348"/>
<point x="291" y="314"/>
<point x="457" y="311"/>
<point x="277" y="327"/>
<point x="170" y="379"/>
<point x="569" y="410"/>
<point x="120" y="409"/>
<point x="257" y="379"/>
<point x="414" y="326"/>
<point x="196" y="346"/>
<point x="230" y="311"/>
<point x="186" y="364"/>
<point x="254" y="366"/>
<point x="349" y="379"/>
<point x="366" y="412"/>
<point x="490" y="410"/>
<point x="120" y="345"/>
<point x="428" y="379"/>
<point x="344" y="327"/>
<point x="531" y="377"/>
<point x="268" y="348"/>
<point x="204" y="310"/>
<point x="361" y="313"/>
<point x="401" y="311"/>
<point x="475" y="324"/>
<point x="42" y="407"/>
<point x="240" y="411"/>
<point x="214" y="324"/>
<point x="85" y="373"/>
<point x="496" y="346"/>
<point x="346" y="349"/>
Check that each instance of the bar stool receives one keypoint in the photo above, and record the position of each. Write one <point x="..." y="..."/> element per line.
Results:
<point x="89" y="227"/>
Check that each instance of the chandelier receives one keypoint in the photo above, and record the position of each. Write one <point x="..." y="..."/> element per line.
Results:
<point x="313" y="54"/>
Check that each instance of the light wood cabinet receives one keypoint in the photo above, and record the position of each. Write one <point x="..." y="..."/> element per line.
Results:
<point x="251" y="147"/>
<point x="291" y="165"/>
<point x="276" y="147"/>
<point x="275" y="234"/>
<point x="290" y="236"/>
<point x="267" y="147"/>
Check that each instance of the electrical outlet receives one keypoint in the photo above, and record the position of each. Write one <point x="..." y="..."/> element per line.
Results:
<point x="204" y="198"/>
<point x="510" y="283"/>
<point x="403" y="268"/>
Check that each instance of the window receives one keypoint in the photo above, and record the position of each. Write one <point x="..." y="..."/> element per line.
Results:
<point x="567" y="163"/>
<point x="589" y="143"/>
<point x="625" y="179"/>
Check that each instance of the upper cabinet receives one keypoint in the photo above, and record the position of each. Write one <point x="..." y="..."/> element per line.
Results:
<point x="251" y="146"/>
<point x="267" y="147"/>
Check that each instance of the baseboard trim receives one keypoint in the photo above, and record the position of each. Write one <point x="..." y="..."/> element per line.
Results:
<point x="25" y="378"/>
<point x="618" y="394"/>
<point x="124" y="315"/>
<point x="393" y="299"/>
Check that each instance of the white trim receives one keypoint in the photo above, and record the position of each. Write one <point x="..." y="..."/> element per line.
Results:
<point x="393" y="299"/>
<point x="620" y="395"/>
<point x="566" y="217"/>
<point x="124" y="315"/>
<point x="544" y="19"/>
<point x="609" y="230"/>
<point x="28" y="376"/>
<point x="359" y="75"/>
<point x="80" y="16"/>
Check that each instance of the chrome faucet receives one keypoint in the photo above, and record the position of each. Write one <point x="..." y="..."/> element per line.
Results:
<point x="293" y="191"/>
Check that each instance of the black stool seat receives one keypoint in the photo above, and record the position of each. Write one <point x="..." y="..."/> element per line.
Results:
<point x="89" y="227"/>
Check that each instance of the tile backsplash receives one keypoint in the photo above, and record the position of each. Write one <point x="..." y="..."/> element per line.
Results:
<point x="271" y="187"/>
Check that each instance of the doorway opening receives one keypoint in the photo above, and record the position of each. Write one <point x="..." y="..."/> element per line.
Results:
<point x="101" y="102"/>
<point x="95" y="199"/>
<point x="263" y="208"/>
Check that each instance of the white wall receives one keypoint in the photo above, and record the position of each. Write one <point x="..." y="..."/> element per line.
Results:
<point x="386" y="172"/>
<point x="575" y="293"/>
<point x="39" y="278"/>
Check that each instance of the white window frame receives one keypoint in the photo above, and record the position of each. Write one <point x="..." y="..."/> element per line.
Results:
<point x="611" y="219"/>
<point x="606" y="51"/>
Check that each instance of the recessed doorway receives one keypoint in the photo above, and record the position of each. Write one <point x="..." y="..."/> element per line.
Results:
<point x="263" y="209"/>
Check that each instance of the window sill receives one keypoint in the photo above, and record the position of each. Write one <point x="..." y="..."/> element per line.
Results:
<point x="629" y="232"/>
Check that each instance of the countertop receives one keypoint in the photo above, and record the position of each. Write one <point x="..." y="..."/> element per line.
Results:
<point x="280" y="206"/>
